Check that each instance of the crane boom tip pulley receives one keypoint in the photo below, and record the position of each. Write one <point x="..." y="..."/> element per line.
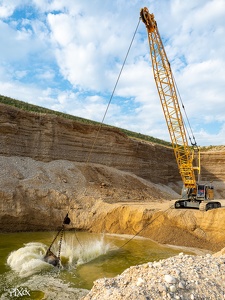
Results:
<point x="148" y="19"/>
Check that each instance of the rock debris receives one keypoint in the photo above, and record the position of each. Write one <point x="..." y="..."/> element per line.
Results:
<point x="178" y="277"/>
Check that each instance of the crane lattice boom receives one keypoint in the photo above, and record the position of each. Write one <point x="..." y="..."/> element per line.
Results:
<point x="169" y="100"/>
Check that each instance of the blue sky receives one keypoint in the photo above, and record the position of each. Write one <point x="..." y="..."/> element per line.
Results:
<point x="66" y="55"/>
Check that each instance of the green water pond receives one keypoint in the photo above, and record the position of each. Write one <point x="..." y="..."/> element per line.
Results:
<point x="85" y="258"/>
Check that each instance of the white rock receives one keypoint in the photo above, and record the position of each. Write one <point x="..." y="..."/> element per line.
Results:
<point x="169" y="279"/>
<point x="181" y="285"/>
<point x="157" y="264"/>
<point x="173" y="288"/>
<point x="140" y="281"/>
<point x="162" y="288"/>
<point x="178" y="272"/>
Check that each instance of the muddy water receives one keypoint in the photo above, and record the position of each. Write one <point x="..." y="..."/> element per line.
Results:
<point x="85" y="257"/>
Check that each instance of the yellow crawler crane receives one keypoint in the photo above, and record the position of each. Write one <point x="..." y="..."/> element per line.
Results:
<point x="194" y="194"/>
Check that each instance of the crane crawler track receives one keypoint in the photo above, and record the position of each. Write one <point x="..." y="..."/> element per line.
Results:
<point x="201" y="205"/>
<point x="204" y="206"/>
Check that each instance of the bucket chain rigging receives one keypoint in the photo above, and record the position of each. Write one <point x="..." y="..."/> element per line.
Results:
<point x="50" y="257"/>
<point x="60" y="241"/>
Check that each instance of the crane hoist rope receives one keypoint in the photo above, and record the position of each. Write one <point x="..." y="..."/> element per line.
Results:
<point x="50" y="257"/>
<point x="190" y="136"/>
<point x="112" y="94"/>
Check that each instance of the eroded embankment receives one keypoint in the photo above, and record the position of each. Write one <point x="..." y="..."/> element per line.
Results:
<point x="191" y="228"/>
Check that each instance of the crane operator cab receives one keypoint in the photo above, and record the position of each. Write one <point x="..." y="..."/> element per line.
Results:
<point x="200" y="198"/>
<point x="205" y="192"/>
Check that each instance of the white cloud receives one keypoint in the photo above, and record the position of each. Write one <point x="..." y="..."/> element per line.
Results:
<point x="88" y="47"/>
<point x="7" y="7"/>
<point x="205" y="138"/>
<point x="70" y="53"/>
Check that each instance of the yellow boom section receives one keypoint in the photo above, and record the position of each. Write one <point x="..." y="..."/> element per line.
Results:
<point x="169" y="100"/>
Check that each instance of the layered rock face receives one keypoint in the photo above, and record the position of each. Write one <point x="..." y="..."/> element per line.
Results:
<point x="48" y="137"/>
<point x="50" y="165"/>
<point x="213" y="169"/>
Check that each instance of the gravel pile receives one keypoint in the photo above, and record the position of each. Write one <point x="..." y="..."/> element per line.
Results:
<point x="179" y="277"/>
